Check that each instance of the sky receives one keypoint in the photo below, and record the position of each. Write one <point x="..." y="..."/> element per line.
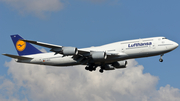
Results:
<point x="86" y="23"/>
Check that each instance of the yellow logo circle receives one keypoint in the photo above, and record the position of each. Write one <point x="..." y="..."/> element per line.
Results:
<point x="20" y="45"/>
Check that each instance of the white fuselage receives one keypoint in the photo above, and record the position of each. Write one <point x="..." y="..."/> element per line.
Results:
<point x="124" y="49"/>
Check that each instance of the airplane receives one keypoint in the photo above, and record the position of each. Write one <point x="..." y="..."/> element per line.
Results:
<point x="108" y="57"/>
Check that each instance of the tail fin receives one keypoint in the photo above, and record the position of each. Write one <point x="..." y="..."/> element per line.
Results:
<point x="23" y="48"/>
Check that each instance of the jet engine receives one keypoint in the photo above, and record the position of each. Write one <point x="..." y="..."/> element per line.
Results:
<point x="98" y="55"/>
<point x="119" y="64"/>
<point x="69" y="50"/>
<point x="66" y="50"/>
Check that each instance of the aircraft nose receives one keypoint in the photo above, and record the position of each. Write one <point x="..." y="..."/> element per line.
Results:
<point x="176" y="44"/>
<point x="173" y="45"/>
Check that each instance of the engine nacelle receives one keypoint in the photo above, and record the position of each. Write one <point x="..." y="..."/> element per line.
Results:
<point x="119" y="64"/>
<point x="66" y="50"/>
<point x="69" y="50"/>
<point x="98" y="55"/>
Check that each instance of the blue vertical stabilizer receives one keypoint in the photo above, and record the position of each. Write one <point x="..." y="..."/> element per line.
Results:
<point x="23" y="48"/>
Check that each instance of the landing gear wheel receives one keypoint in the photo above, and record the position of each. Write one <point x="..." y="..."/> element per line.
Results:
<point x="90" y="67"/>
<point x="161" y="60"/>
<point x="101" y="70"/>
<point x="90" y="70"/>
<point x="86" y="68"/>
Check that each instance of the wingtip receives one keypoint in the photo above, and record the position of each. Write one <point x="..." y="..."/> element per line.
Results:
<point x="3" y="54"/>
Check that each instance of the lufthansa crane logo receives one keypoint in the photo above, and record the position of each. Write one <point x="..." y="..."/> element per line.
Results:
<point x="20" y="45"/>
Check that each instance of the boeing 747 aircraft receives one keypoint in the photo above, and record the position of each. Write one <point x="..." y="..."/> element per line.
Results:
<point x="108" y="57"/>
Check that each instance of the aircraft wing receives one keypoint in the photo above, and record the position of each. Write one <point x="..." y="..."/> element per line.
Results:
<point x="47" y="45"/>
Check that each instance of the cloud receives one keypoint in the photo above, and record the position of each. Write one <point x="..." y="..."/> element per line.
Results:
<point x="35" y="7"/>
<point x="38" y="82"/>
<point x="167" y="93"/>
<point x="41" y="8"/>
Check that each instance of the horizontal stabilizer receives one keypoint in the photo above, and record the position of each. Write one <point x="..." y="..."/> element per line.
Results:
<point x="17" y="57"/>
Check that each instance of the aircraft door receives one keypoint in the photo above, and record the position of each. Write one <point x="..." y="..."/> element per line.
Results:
<point x="153" y="46"/>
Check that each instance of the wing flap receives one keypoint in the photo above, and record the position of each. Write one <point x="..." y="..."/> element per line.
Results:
<point x="17" y="57"/>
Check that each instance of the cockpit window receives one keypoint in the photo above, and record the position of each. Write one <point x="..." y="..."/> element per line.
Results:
<point x="164" y="38"/>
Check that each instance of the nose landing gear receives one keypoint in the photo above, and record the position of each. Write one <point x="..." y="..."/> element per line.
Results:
<point x="161" y="60"/>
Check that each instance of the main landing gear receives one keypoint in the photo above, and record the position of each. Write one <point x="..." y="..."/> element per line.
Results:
<point x="161" y="60"/>
<point x="101" y="70"/>
<point x="92" y="67"/>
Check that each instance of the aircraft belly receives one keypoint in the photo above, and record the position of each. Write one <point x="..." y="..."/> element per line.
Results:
<point x="138" y="54"/>
<point x="64" y="61"/>
<point x="53" y="61"/>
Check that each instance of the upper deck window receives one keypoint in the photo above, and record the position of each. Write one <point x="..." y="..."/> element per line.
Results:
<point x="164" y="38"/>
